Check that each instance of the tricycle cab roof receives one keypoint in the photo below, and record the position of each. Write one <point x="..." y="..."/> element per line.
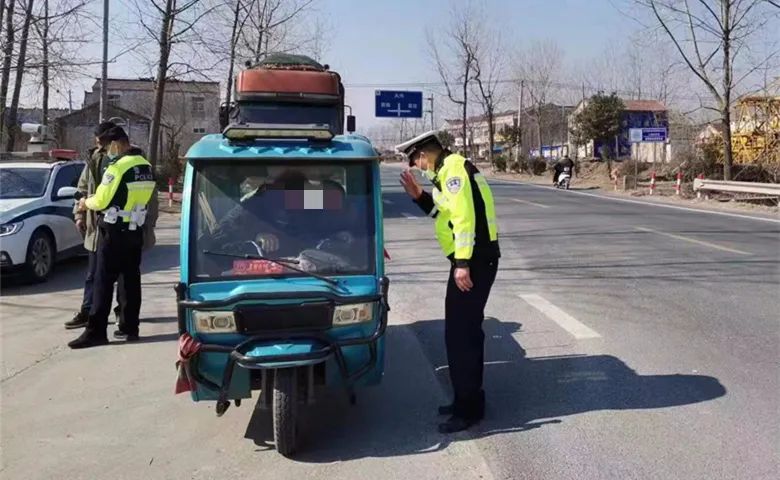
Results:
<point x="341" y="147"/>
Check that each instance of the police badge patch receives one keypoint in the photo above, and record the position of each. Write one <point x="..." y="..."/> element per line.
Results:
<point x="107" y="179"/>
<point x="454" y="184"/>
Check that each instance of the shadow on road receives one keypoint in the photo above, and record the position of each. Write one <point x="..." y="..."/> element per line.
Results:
<point x="398" y="418"/>
<point x="69" y="274"/>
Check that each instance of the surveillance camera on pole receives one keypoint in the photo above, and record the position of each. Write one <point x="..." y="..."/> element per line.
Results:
<point x="38" y="134"/>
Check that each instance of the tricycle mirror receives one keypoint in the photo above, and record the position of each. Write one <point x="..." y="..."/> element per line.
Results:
<point x="351" y="123"/>
<point x="66" y="193"/>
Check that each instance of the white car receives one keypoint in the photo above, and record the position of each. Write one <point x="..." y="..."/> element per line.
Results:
<point x="36" y="211"/>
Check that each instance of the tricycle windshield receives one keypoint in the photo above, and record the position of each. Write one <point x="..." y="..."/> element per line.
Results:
<point x="317" y="217"/>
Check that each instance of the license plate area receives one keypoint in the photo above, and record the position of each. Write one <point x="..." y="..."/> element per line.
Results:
<point x="258" y="319"/>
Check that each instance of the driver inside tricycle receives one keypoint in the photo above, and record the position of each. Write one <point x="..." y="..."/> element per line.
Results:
<point x="265" y="219"/>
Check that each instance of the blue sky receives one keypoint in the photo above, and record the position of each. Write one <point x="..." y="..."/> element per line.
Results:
<point x="384" y="41"/>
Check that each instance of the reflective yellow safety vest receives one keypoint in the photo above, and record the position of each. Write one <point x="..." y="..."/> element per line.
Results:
<point x="124" y="191"/>
<point x="464" y="211"/>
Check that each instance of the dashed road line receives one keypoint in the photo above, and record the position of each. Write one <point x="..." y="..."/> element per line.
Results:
<point x="529" y="203"/>
<point x="693" y="240"/>
<point x="575" y="328"/>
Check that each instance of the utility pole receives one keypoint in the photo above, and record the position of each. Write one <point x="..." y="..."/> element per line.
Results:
<point x="519" y="120"/>
<point x="430" y="99"/>
<point x="104" y="74"/>
<point x="70" y="101"/>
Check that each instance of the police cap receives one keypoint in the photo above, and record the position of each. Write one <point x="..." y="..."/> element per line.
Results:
<point x="411" y="147"/>
<point x="103" y="127"/>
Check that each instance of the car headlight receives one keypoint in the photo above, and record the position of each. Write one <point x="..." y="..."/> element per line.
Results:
<point x="350" y="314"/>
<point x="214" y="322"/>
<point x="10" y="228"/>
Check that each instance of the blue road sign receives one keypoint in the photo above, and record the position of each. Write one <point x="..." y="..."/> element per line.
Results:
<point x="654" y="134"/>
<point x="640" y="135"/>
<point x="390" y="103"/>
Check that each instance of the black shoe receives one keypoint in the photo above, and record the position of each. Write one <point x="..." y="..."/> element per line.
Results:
<point x="450" y="408"/>
<point x="88" y="339"/>
<point x="120" y="335"/>
<point x="79" y="320"/>
<point x="447" y="409"/>
<point x="457" y="424"/>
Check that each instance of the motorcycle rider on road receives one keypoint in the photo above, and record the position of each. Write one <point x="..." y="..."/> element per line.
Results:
<point x="564" y="165"/>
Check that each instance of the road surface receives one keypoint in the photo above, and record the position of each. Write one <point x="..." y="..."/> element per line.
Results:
<point x="623" y="341"/>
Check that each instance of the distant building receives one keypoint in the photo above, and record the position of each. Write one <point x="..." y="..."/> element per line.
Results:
<point x="76" y="130"/>
<point x="190" y="109"/>
<point x="477" y="132"/>
<point x="550" y="132"/>
<point x="637" y="114"/>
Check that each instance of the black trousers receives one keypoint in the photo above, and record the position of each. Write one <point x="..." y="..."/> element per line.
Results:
<point x="89" y="281"/>
<point x="464" y="338"/>
<point x="118" y="256"/>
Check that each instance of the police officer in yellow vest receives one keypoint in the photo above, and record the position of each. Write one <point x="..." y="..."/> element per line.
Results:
<point x="121" y="201"/>
<point x="465" y="222"/>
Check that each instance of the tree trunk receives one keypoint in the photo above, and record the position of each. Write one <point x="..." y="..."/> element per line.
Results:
<point x="726" y="107"/>
<point x="45" y="71"/>
<point x="8" y="52"/>
<point x="2" y="15"/>
<point x="159" y="88"/>
<point x="465" y="111"/>
<point x="727" y="151"/>
<point x="491" y="136"/>
<point x="14" y="109"/>
<point x="233" y="42"/>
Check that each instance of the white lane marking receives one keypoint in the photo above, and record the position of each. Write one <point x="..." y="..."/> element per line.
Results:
<point x="529" y="203"/>
<point x="387" y="202"/>
<point x="640" y="202"/>
<point x="494" y="362"/>
<point x="576" y="328"/>
<point x="412" y="217"/>
<point x="693" y="240"/>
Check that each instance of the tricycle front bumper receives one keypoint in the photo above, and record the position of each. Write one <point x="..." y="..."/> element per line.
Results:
<point x="306" y="348"/>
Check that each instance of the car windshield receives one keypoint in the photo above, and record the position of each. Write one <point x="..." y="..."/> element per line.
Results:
<point x="319" y="218"/>
<point x="23" y="182"/>
<point x="288" y="113"/>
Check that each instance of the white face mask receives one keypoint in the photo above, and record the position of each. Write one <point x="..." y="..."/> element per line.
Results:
<point x="429" y="174"/>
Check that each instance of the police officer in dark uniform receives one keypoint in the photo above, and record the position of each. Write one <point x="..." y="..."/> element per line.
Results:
<point x="465" y="222"/>
<point x="121" y="201"/>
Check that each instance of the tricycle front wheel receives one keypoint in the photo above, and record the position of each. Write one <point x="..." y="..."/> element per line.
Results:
<point x="285" y="410"/>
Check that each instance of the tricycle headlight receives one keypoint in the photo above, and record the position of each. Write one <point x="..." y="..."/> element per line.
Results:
<point x="10" y="228"/>
<point x="214" y="322"/>
<point x="349" y="314"/>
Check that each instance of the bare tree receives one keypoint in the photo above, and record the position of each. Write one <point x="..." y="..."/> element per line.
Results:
<point x="56" y="54"/>
<point x="241" y="11"/>
<point x="13" y="110"/>
<point x="539" y="66"/>
<point x="8" y="55"/>
<point x="272" y="22"/>
<point x="457" y="69"/>
<point x="177" y="22"/>
<point x="488" y="68"/>
<point x="711" y="36"/>
<point x="257" y="27"/>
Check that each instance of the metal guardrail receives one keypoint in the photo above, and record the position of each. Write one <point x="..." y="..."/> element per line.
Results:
<point x="702" y="185"/>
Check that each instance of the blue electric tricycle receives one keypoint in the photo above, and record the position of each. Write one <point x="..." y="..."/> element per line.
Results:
<point x="282" y="267"/>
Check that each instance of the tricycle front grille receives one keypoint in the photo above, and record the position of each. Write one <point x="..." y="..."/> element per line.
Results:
<point x="258" y="319"/>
